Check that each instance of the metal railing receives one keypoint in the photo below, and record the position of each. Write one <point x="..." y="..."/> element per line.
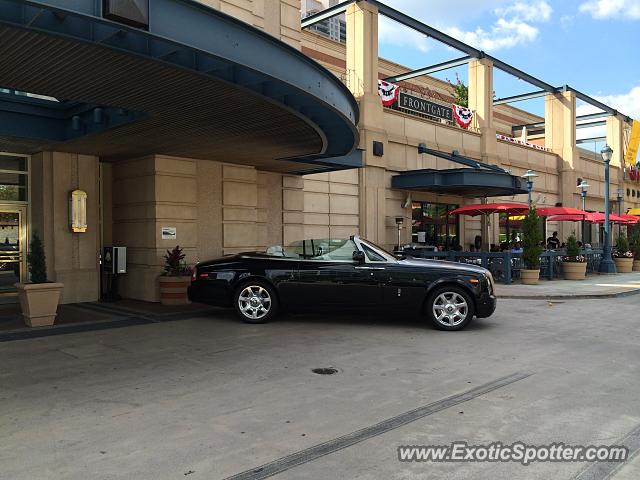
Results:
<point x="506" y="266"/>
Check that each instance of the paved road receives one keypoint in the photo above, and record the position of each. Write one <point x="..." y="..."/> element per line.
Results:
<point x="210" y="398"/>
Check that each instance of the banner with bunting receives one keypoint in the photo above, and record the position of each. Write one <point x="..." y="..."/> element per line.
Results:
<point x="388" y="92"/>
<point x="463" y="115"/>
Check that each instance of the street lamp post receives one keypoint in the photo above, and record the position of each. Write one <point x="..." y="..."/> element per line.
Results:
<point x="529" y="175"/>
<point x="583" y="193"/>
<point x="607" y="265"/>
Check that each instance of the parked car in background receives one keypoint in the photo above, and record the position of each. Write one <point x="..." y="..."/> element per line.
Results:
<point x="343" y="275"/>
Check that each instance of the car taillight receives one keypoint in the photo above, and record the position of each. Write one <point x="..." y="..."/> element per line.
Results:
<point x="194" y="274"/>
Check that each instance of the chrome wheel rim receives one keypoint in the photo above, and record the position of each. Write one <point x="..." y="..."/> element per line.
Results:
<point x="450" y="309"/>
<point x="254" y="302"/>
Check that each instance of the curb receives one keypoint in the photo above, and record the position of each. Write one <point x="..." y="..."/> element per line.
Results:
<point x="595" y="296"/>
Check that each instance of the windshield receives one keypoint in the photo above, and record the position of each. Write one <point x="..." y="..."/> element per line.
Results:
<point x="390" y="257"/>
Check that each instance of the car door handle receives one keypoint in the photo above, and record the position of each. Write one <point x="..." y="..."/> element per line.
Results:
<point x="369" y="268"/>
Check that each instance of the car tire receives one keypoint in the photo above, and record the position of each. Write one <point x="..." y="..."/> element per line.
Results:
<point x="449" y="308"/>
<point x="255" y="301"/>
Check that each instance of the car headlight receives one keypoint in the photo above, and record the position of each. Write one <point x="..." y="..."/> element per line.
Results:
<point x="490" y="280"/>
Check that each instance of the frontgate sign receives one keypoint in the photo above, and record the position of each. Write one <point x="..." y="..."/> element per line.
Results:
<point x="425" y="107"/>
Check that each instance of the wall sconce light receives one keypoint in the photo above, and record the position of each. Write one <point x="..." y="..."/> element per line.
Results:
<point x="78" y="211"/>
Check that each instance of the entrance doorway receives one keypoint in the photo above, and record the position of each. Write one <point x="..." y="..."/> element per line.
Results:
<point x="13" y="238"/>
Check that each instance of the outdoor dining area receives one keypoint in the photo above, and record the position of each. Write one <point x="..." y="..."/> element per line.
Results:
<point x="524" y="250"/>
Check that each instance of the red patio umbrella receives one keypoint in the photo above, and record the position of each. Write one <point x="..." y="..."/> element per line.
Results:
<point x="598" y="217"/>
<point x="549" y="211"/>
<point x="631" y="219"/>
<point x="592" y="217"/>
<point x="489" y="208"/>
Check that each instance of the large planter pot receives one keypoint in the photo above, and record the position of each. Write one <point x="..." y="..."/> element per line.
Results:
<point x="636" y="265"/>
<point x="574" y="270"/>
<point x="624" y="265"/>
<point x="39" y="302"/>
<point x="530" y="277"/>
<point x="173" y="290"/>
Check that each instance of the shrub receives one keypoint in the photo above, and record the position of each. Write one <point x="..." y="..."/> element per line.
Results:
<point x="635" y="242"/>
<point x="174" y="265"/>
<point x="532" y="238"/>
<point x="622" y="247"/>
<point x="37" y="260"/>
<point x="573" y="250"/>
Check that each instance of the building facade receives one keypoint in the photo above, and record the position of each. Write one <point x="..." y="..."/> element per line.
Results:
<point x="231" y="129"/>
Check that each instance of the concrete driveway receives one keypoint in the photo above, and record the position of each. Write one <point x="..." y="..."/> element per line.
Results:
<point x="211" y="398"/>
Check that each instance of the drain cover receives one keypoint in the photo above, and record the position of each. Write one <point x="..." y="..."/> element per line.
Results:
<point x="325" y="370"/>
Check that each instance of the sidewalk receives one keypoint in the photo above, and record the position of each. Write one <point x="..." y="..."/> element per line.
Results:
<point x="595" y="286"/>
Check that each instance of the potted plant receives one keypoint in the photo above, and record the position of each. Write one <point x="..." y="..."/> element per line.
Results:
<point x="622" y="256"/>
<point x="574" y="265"/>
<point x="175" y="278"/>
<point x="531" y="249"/>
<point x="38" y="298"/>
<point x="635" y="248"/>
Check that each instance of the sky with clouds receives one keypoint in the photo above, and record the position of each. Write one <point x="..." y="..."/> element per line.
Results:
<point x="588" y="44"/>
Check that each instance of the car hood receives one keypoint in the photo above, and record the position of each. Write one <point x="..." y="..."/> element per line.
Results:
<point x="443" y="265"/>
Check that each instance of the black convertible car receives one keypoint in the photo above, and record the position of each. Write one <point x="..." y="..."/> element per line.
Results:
<point x="341" y="275"/>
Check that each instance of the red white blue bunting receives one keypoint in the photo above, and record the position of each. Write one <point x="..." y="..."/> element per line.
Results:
<point x="388" y="92"/>
<point x="463" y="115"/>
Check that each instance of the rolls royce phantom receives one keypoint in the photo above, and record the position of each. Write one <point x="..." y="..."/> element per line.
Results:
<point x="319" y="274"/>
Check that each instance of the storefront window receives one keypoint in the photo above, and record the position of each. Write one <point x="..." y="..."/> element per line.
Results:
<point x="13" y="178"/>
<point x="432" y="226"/>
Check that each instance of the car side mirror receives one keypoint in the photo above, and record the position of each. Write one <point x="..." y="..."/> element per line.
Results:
<point x="358" y="257"/>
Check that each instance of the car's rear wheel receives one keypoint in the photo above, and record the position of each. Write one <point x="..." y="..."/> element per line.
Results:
<point x="255" y="302"/>
<point x="449" y="308"/>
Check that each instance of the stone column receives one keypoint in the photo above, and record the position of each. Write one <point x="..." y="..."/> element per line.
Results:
<point x="481" y="102"/>
<point x="72" y="258"/>
<point x="615" y="139"/>
<point x="150" y="193"/>
<point x="362" y="79"/>
<point x="560" y="137"/>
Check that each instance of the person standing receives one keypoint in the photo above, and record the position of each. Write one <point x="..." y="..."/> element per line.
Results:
<point x="553" y="242"/>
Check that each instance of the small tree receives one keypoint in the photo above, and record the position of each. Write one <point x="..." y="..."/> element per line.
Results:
<point x="460" y="92"/>
<point x="573" y="250"/>
<point x="37" y="261"/>
<point x="622" y="245"/>
<point x="635" y="242"/>
<point x="532" y="238"/>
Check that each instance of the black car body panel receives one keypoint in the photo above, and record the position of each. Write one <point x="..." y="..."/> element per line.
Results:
<point x="304" y="284"/>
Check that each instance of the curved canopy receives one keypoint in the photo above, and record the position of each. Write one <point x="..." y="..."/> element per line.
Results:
<point x="467" y="182"/>
<point x="489" y="208"/>
<point x="197" y="83"/>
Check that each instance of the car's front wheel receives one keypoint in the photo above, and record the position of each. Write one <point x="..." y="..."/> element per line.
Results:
<point x="449" y="308"/>
<point x="256" y="302"/>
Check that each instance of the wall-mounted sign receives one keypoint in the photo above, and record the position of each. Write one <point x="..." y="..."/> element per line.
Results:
<point x="169" y="233"/>
<point x="425" y="107"/>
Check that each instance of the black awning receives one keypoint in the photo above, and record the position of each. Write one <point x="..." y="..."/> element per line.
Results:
<point x="467" y="182"/>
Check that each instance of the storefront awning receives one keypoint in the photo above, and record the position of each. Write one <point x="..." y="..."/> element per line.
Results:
<point x="192" y="82"/>
<point x="466" y="182"/>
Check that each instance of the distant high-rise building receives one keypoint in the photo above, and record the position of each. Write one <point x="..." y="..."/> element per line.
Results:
<point x="334" y="28"/>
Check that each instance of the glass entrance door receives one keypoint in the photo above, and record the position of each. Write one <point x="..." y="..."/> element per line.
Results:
<point x="12" y="250"/>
